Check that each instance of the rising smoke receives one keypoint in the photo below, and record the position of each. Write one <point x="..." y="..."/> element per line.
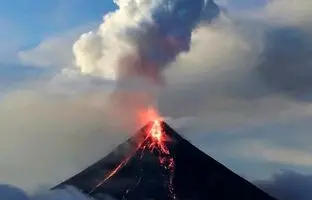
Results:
<point x="141" y="37"/>
<point x="136" y="43"/>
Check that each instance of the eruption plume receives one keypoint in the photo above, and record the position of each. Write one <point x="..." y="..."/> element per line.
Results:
<point x="141" y="37"/>
<point x="135" y="44"/>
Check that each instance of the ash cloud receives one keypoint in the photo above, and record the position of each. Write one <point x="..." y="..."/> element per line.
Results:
<point x="135" y="44"/>
<point x="141" y="37"/>
<point x="256" y="60"/>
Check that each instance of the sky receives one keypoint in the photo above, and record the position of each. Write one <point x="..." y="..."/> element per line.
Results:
<point x="24" y="25"/>
<point x="48" y="18"/>
<point x="244" y="87"/>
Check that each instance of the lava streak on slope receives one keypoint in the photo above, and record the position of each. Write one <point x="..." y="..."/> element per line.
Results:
<point x="157" y="139"/>
<point x="154" y="140"/>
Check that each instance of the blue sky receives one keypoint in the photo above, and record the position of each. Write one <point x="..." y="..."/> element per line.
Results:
<point x="33" y="21"/>
<point x="25" y="24"/>
<point x="28" y="23"/>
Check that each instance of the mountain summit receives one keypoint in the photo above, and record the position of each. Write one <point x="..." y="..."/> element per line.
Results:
<point x="157" y="163"/>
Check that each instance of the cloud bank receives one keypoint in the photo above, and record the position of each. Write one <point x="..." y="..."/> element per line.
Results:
<point x="288" y="185"/>
<point x="48" y="138"/>
<point x="69" y="193"/>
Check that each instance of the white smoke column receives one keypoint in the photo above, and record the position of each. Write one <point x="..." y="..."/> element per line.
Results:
<point x="141" y="37"/>
<point x="138" y="41"/>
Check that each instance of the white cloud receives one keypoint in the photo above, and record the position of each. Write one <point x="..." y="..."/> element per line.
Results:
<point x="288" y="185"/>
<point x="55" y="51"/>
<point x="289" y="12"/>
<point x="271" y="152"/>
<point x="8" y="192"/>
<point x="68" y="193"/>
<point x="46" y="138"/>
<point x="134" y="40"/>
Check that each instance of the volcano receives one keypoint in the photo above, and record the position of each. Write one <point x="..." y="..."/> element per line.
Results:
<point x="140" y="169"/>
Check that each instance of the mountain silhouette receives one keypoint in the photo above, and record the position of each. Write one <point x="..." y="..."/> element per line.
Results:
<point x="140" y="175"/>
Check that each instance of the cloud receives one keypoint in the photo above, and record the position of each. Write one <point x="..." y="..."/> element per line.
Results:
<point x="141" y="37"/>
<point x="257" y="61"/>
<point x="11" y="193"/>
<point x="47" y="138"/>
<point x="285" y="64"/>
<point x="8" y="192"/>
<point x="272" y="152"/>
<point x="285" y="185"/>
<point x="55" y="51"/>
<point x="255" y="71"/>
<point x="69" y="193"/>
<point x="222" y="84"/>
<point x="135" y="43"/>
<point x="288" y="12"/>
<point x="288" y="185"/>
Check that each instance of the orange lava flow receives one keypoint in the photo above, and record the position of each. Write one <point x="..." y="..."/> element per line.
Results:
<point x="158" y="141"/>
<point x="157" y="138"/>
<point x="112" y="173"/>
<point x="116" y="169"/>
<point x="155" y="141"/>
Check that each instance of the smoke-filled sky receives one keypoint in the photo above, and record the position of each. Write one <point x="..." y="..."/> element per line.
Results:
<point x="236" y="83"/>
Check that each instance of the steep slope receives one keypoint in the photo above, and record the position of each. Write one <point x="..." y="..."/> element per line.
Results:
<point x="138" y="170"/>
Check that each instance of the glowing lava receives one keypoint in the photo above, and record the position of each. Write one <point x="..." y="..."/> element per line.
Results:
<point x="156" y="131"/>
<point x="158" y="140"/>
<point x="155" y="140"/>
<point x="116" y="169"/>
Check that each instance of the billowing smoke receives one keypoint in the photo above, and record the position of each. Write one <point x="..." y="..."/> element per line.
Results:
<point x="136" y="43"/>
<point x="141" y="37"/>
